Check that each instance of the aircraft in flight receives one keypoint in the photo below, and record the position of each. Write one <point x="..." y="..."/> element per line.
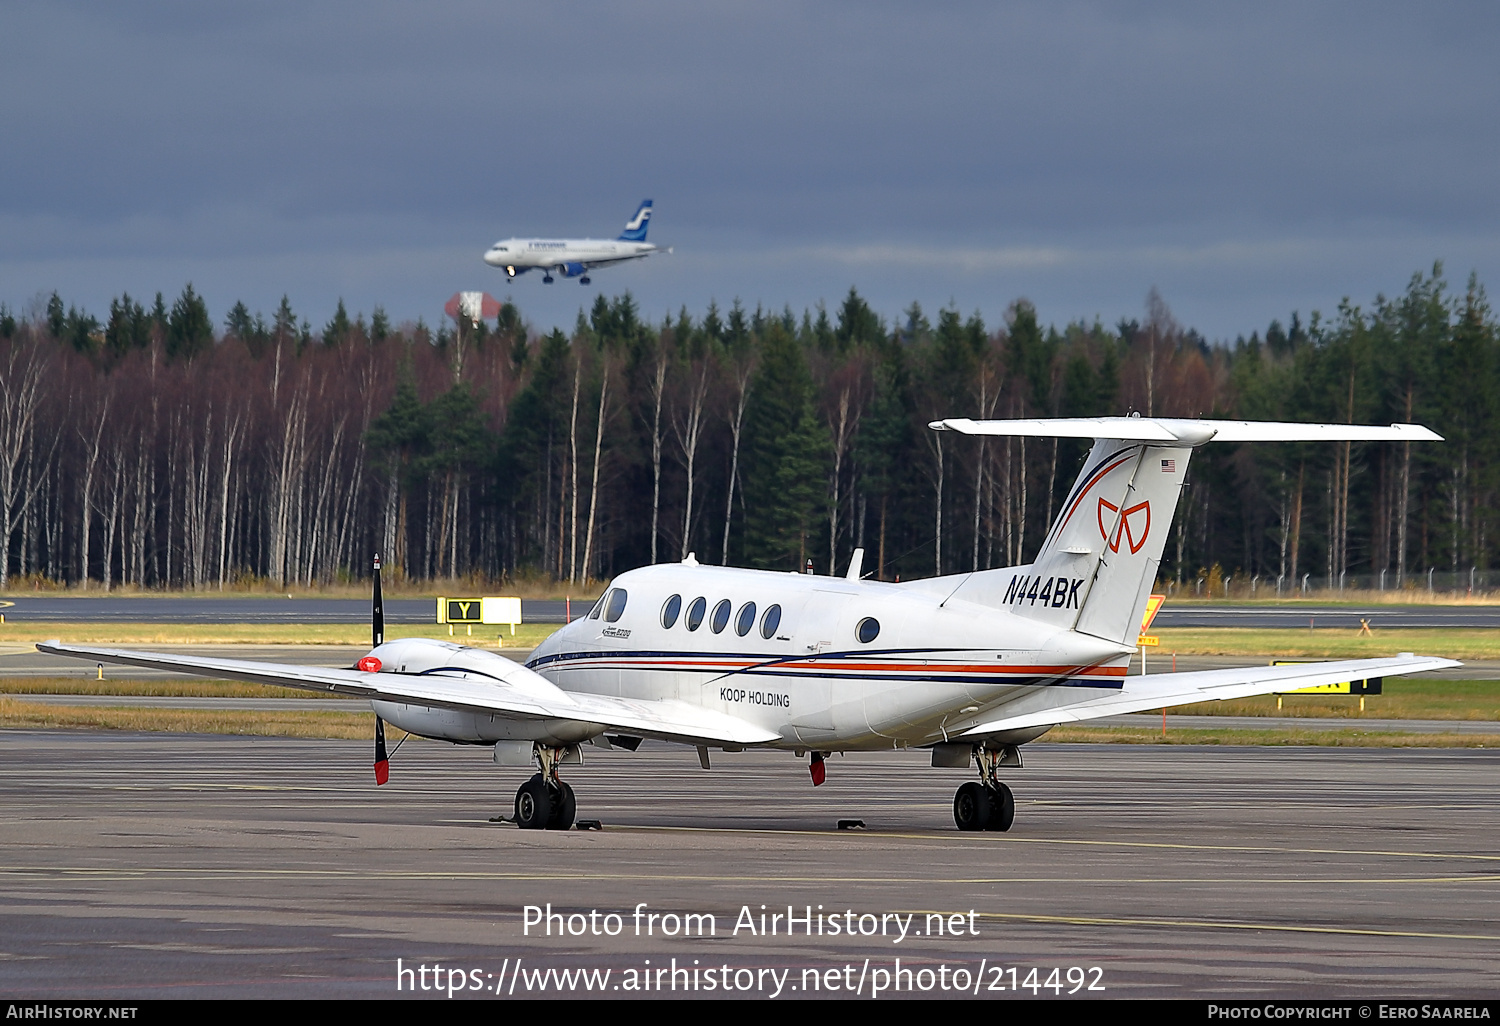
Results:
<point x="970" y="666"/>
<point x="574" y="258"/>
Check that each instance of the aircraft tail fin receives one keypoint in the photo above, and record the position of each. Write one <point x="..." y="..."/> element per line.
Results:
<point x="1099" y="560"/>
<point x="1096" y="567"/>
<point x="635" y="228"/>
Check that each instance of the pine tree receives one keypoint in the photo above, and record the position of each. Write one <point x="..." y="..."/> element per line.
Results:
<point x="336" y="332"/>
<point x="189" y="329"/>
<point x="57" y="318"/>
<point x="786" y="457"/>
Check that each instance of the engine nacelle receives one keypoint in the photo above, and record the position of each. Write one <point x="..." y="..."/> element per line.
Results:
<point x="572" y="269"/>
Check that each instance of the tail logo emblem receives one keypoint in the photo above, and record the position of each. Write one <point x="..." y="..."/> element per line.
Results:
<point x="1137" y="516"/>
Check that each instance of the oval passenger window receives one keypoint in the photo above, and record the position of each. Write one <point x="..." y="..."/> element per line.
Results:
<point x="670" y="610"/>
<point x="721" y="616"/>
<point x="616" y="604"/>
<point x="868" y="630"/>
<point x="747" y="619"/>
<point x="770" y="622"/>
<point x="695" y="613"/>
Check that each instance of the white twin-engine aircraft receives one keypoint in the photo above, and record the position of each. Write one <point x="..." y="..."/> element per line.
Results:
<point x="971" y="666"/>
<point x="574" y="258"/>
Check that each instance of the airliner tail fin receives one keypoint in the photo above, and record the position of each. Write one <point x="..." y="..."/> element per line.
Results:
<point x="635" y="228"/>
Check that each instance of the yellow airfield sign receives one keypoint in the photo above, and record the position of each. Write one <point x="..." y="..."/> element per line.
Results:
<point x="1344" y="687"/>
<point x="489" y="609"/>
<point x="464" y="610"/>
<point x="1153" y="606"/>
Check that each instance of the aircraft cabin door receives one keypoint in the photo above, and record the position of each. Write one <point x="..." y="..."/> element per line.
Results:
<point x="816" y="632"/>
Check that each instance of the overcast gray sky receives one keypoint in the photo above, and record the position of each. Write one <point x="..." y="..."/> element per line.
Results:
<point x="1247" y="160"/>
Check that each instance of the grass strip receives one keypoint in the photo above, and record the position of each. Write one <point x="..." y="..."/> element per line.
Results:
<point x="1252" y="643"/>
<point x="153" y="688"/>
<point x="1401" y="699"/>
<point x="18" y="714"/>
<point x="1327" y="642"/>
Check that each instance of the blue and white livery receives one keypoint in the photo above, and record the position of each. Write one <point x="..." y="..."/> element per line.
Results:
<point x="574" y="258"/>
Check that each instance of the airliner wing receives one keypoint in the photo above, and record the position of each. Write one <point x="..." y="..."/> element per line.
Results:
<point x="607" y="261"/>
<point x="1163" y="690"/>
<point x="664" y="719"/>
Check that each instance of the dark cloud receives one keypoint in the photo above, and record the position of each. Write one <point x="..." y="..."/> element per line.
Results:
<point x="1244" y="160"/>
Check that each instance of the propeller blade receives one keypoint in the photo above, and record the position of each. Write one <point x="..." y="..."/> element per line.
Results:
<point x="377" y="614"/>
<point x="382" y="763"/>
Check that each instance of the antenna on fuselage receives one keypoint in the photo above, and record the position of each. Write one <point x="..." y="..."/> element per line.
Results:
<point x="377" y="612"/>
<point x="856" y="564"/>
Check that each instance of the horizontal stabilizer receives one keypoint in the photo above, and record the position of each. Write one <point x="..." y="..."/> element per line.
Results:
<point x="1173" y="431"/>
<point x="1164" y="690"/>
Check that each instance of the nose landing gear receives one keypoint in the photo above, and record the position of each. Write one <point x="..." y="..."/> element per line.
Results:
<point x="988" y="803"/>
<point x="546" y="801"/>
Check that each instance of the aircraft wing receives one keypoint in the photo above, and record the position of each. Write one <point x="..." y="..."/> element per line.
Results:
<point x="607" y="261"/>
<point x="664" y="720"/>
<point x="1164" y="690"/>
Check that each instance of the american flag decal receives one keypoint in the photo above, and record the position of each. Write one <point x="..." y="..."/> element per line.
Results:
<point x="1169" y="466"/>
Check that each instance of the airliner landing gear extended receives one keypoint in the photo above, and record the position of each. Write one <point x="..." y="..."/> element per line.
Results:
<point x="988" y="803"/>
<point x="546" y="801"/>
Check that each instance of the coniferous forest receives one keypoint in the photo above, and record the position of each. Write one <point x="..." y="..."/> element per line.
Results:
<point x="156" y="447"/>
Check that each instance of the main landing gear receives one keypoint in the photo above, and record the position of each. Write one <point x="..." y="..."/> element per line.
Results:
<point x="988" y="803"/>
<point x="546" y="802"/>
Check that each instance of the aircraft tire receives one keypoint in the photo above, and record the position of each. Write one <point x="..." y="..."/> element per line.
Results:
<point x="564" y="808"/>
<point x="971" y="807"/>
<point x="1002" y="809"/>
<point x="533" y="804"/>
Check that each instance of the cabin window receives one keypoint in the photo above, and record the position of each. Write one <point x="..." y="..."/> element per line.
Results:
<point x="868" y="630"/>
<point x="695" y="613"/>
<point x="670" y="610"/>
<point x="770" y="622"/>
<point x="616" y="604"/>
<point x="721" y="617"/>
<point x="746" y="619"/>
